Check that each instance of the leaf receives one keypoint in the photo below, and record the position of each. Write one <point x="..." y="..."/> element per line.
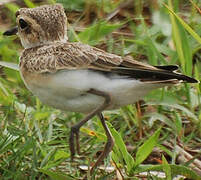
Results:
<point x="75" y="5"/>
<point x="93" y="34"/>
<point x="29" y="4"/>
<point x="144" y="150"/>
<point x="9" y="65"/>
<point x="129" y="112"/>
<point x="166" y="168"/>
<point x="186" y="26"/>
<point x="177" y="106"/>
<point x="48" y="157"/>
<point x="100" y="136"/>
<point x="157" y="116"/>
<point x="56" y="175"/>
<point x="3" y="89"/>
<point x="153" y="53"/>
<point x="38" y="131"/>
<point x="181" y="43"/>
<point x="178" y="123"/>
<point x="60" y="154"/>
<point x="122" y="148"/>
<point x="12" y="7"/>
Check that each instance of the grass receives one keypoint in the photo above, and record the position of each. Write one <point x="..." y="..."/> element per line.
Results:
<point x="34" y="137"/>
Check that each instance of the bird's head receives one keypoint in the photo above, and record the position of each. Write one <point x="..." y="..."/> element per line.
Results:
<point x="40" y="25"/>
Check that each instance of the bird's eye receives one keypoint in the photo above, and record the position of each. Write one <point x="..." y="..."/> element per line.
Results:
<point x="23" y="24"/>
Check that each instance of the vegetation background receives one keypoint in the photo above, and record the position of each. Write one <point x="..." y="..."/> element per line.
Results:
<point x="161" y="133"/>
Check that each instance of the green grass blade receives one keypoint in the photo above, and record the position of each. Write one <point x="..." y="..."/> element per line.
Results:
<point x="48" y="157"/>
<point x="12" y="7"/>
<point x="181" y="43"/>
<point x="29" y="4"/>
<point x="9" y="65"/>
<point x="186" y="26"/>
<point x="193" y="117"/>
<point x="166" y="168"/>
<point x="146" y="148"/>
<point x="56" y="175"/>
<point x="3" y="89"/>
<point x="153" y="53"/>
<point x="122" y="148"/>
<point x="92" y="35"/>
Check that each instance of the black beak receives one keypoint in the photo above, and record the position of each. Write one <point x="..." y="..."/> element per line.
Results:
<point x="11" y="31"/>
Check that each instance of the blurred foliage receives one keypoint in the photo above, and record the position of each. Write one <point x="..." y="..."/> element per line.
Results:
<point x="33" y="137"/>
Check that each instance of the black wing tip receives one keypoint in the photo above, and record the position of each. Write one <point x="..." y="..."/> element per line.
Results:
<point x="185" y="78"/>
<point x="154" y="75"/>
<point x="168" y="67"/>
<point x="191" y="80"/>
<point x="173" y="69"/>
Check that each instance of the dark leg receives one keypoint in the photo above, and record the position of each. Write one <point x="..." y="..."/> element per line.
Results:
<point x="74" y="133"/>
<point x="108" y="145"/>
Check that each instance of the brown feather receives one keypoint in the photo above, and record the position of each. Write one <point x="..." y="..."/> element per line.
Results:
<point x="57" y="56"/>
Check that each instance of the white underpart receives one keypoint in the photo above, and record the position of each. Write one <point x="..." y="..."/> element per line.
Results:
<point x="67" y="90"/>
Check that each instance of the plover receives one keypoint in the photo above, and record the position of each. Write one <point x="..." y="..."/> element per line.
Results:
<point x="80" y="78"/>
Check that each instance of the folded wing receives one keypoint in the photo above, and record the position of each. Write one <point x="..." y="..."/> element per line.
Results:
<point x="52" y="58"/>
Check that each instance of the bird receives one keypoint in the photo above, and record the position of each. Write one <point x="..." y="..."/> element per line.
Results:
<point x="77" y="77"/>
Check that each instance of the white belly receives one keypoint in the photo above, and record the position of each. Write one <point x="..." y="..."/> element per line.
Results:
<point x="67" y="90"/>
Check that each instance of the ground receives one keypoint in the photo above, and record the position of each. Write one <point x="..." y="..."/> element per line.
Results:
<point x="161" y="133"/>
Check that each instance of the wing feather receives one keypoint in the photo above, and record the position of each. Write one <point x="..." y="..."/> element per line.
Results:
<point x="51" y="58"/>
